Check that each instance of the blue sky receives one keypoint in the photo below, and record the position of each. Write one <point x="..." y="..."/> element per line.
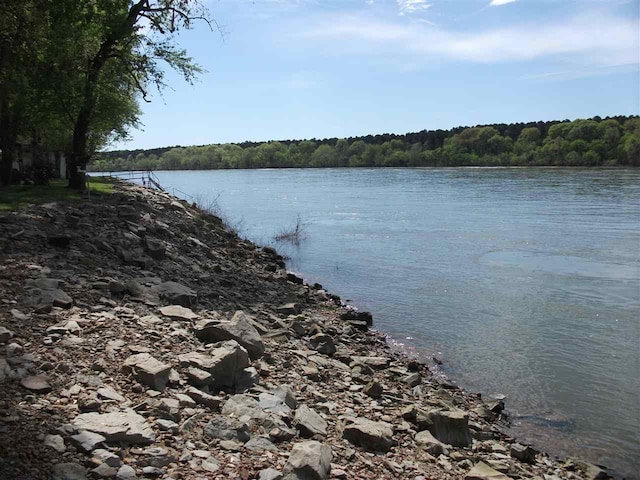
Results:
<point x="287" y="69"/>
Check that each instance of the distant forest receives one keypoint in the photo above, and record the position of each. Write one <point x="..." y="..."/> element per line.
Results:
<point x="612" y="141"/>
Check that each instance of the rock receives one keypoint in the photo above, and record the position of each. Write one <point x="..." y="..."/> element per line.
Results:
<point x="56" y="442"/>
<point x="155" y="248"/>
<point x="108" y="393"/>
<point x="259" y="444"/>
<point x="589" y="470"/>
<point x="370" y="435"/>
<point x="5" y="335"/>
<point x="285" y="393"/>
<point x="269" y="474"/>
<point x="125" y="472"/>
<point x="429" y="443"/>
<point x="413" y="379"/>
<point x="202" y="398"/>
<point x="309" y="422"/>
<point x="225" y="364"/>
<point x="87" y="441"/>
<point x="177" y="294"/>
<point x="239" y="328"/>
<point x="36" y="383"/>
<point x="124" y="426"/>
<point x="247" y="409"/>
<point x="289" y="309"/>
<point x="309" y="460"/>
<point x="323" y="343"/>
<point x="227" y="429"/>
<point x="52" y="297"/>
<point x="167" y="425"/>
<point x="106" y="457"/>
<point x="365" y="317"/>
<point x="152" y="471"/>
<point x="148" y="370"/>
<point x="68" y="471"/>
<point x="450" y="427"/>
<point x="373" y="389"/>
<point x="104" y="471"/>
<point x="482" y="471"/>
<point x="178" y="312"/>
<point x="65" y="327"/>
<point x="523" y="453"/>
<point x="373" y="362"/>
<point x="273" y="403"/>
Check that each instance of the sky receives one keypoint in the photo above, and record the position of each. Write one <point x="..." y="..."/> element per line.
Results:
<point x="296" y="69"/>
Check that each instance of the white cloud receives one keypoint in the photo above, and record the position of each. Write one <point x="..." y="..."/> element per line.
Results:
<point x="596" y="39"/>
<point x="412" y="6"/>
<point x="497" y="3"/>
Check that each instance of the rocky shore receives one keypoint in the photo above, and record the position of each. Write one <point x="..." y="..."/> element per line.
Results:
<point x="139" y="338"/>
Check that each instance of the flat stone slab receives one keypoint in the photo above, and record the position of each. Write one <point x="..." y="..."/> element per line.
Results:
<point x="124" y="426"/>
<point x="148" y="370"/>
<point x="36" y="383"/>
<point x="373" y="362"/>
<point x="482" y="471"/>
<point x="239" y="328"/>
<point x="370" y="435"/>
<point x="178" y="312"/>
<point x="177" y="293"/>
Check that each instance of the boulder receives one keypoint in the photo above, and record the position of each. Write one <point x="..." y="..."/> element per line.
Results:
<point x="289" y="309"/>
<point x="177" y="293"/>
<point x="259" y="444"/>
<point x="223" y="428"/>
<point x="429" y="443"/>
<point x="239" y="328"/>
<point x="448" y="426"/>
<point x="247" y="409"/>
<point x="309" y="460"/>
<point x="202" y="398"/>
<point x="523" y="453"/>
<point x="482" y="471"/>
<point x="373" y="362"/>
<point x="56" y="442"/>
<point x="41" y="298"/>
<point x="5" y="335"/>
<point x="124" y="426"/>
<point x="269" y="474"/>
<point x="155" y="248"/>
<point x="36" y="383"/>
<point x="178" y="312"/>
<point x="87" y="441"/>
<point x="273" y="403"/>
<point x="373" y="389"/>
<point x="309" y="422"/>
<point x="370" y="435"/>
<point x="323" y="343"/>
<point x="225" y="364"/>
<point x="148" y="370"/>
<point x="68" y="471"/>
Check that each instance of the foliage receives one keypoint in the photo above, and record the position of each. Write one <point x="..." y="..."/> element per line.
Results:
<point x="593" y="142"/>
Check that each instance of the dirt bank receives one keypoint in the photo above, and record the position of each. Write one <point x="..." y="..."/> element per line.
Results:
<point x="140" y="338"/>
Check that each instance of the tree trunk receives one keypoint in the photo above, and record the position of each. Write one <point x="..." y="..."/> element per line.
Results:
<point x="7" y="145"/>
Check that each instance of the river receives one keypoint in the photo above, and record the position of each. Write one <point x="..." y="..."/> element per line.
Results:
<point x="524" y="282"/>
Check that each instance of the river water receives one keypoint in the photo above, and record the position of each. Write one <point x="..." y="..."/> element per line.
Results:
<point x="525" y="282"/>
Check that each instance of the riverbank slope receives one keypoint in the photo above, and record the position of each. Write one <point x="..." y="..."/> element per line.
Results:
<point x="141" y="338"/>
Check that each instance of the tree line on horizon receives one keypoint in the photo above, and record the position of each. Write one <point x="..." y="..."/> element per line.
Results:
<point x="613" y="141"/>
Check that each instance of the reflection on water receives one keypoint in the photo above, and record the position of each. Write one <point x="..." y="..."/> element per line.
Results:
<point x="524" y="281"/>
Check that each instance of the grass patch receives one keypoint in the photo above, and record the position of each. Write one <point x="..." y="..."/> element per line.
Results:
<point x="15" y="197"/>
